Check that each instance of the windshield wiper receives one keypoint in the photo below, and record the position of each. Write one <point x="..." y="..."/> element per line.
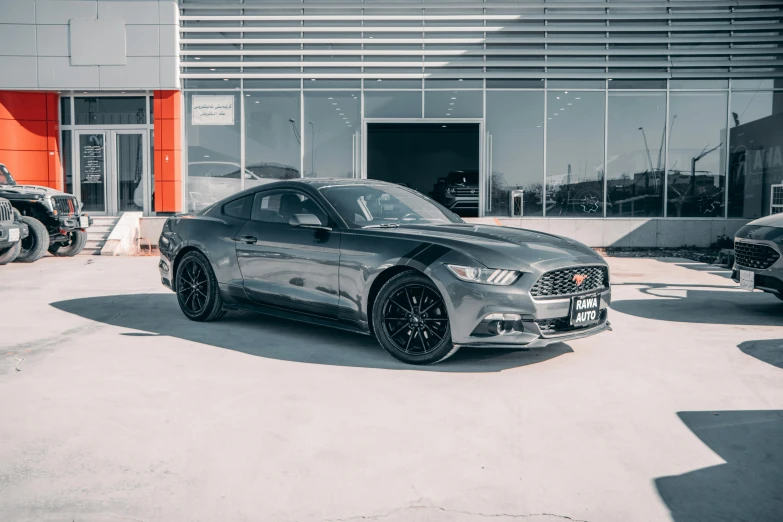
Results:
<point x="383" y="225"/>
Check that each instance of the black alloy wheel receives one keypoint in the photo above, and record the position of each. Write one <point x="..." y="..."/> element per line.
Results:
<point x="411" y="321"/>
<point x="197" y="289"/>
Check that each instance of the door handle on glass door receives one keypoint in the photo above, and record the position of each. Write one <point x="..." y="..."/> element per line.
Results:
<point x="248" y="239"/>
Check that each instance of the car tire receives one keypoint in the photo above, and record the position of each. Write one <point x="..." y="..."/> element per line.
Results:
<point x="198" y="293"/>
<point x="410" y="320"/>
<point x="77" y="240"/>
<point x="34" y="246"/>
<point x="10" y="253"/>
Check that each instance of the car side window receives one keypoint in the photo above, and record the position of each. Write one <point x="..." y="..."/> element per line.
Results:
<point x="239" y="208"/>
<point x="281" y="206"/>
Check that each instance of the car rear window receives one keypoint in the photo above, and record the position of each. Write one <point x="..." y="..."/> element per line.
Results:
<point x="239" y="208"/>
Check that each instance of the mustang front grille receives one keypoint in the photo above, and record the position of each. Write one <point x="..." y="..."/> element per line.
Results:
<point x="6" y="212"/>
<point x="563" y="324"/>
<point x="753" y="255"/>
<point x="566" y="281"/>
<point x="65" y="205"/>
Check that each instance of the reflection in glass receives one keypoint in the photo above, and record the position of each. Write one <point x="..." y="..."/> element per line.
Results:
<point x="67" y="161"/>
<point x="515" y="142"/>
<point x="453" y="104"/>
<point x="130" y="171"/>
<point x="110" y="110"/>
<point x="755" y="157"/>
<point x="331" y="130"/>
<point x="92" y="171"/>
<point x="392" y="104"/>
<point x="697" y="152"/>
<point x="635" y="154"/>
<point x="273" y="133"/>
<point x="574" y="154"/>
<point x="213" y="155"/>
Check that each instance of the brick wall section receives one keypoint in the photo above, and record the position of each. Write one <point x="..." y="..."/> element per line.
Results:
<point x="168" y="146"/>
<point x="30" y="137"/>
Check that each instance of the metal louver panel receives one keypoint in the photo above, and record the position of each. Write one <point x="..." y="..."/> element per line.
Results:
<point x="471" y="39"/>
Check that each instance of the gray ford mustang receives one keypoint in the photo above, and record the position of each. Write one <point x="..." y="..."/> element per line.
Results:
<point x="382" y="259"/>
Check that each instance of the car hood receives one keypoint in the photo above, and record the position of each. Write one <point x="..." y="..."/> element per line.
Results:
<point x="775" y="220"/>
<point x="769" y="228"/>
<point x="29" y="189"/>
<point x="503" y="247"/>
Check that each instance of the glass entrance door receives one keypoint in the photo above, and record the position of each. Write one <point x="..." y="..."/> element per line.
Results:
<point x="130" y="171"/>
<point x="91" y="156"/>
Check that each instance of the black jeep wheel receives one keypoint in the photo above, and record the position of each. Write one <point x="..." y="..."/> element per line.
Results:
<point x="197" y="289"/>
<point x="8" y="254"/>
<point x="75" y="244"/>
<point x="36" y="243"/>
<point x="410" y="320"/>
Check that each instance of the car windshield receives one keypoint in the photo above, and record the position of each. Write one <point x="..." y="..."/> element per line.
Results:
<point x="366" y="206"/>
<point x="463" y="178"/>
<point x="5" y="176"/>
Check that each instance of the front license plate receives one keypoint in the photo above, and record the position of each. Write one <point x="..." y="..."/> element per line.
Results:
<point x="585" y="310"/>
<point x="747" y="280"/>
<point x="84" y="221"/>
<point x="13" y="235"/>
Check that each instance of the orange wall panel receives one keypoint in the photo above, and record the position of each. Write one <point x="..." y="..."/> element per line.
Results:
<point x="27" y="166"/>
<point x="15" y="105"/>
<point x="170" y="135"/>
<point x="168" y="143"/>
<point x="171" y="167"/>
<point x="23" y="135"/>
<point x="171" y="105"/>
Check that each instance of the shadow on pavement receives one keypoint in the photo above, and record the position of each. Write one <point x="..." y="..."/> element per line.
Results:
<point x="274" y="338"/>
<point x="768" y="350"/>
<point x="711" y="304"/>
<point x="748" y="486"/>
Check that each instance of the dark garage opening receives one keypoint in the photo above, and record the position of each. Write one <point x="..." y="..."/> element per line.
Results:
<point x="440" y="160"/>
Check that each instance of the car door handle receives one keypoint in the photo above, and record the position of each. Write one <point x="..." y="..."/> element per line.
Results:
<point x="248" y="239"/>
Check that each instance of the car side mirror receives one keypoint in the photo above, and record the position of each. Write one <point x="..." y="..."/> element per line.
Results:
<point x="307" y="221"/>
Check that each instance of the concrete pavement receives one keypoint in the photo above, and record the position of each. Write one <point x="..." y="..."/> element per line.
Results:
<point x="122" y="409"/>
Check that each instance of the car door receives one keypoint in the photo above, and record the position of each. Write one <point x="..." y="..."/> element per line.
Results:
<point x="285" y="266"/>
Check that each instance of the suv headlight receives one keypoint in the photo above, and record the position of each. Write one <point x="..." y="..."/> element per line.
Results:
<point x="486" y="276"/>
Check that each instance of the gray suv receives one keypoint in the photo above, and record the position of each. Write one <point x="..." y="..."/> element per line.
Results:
<point x="758" y="251"/>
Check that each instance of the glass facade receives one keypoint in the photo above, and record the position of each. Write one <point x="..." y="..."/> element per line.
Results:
<point x="588" y="109"/>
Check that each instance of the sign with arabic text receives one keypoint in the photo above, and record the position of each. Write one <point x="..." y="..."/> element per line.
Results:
<point x="212" y="110"/>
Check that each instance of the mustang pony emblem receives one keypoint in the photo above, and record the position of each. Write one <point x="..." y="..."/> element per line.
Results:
<point x="579" y="279"/>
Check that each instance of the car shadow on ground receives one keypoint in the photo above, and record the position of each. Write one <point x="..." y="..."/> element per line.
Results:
<point x="693" y="303"/>
<point x="747" y="487"/>
<point x="274" y="338"/>
<point x="768" y="350"/>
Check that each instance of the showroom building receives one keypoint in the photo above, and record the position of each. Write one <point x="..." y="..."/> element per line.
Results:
<point x="629" y="123"/>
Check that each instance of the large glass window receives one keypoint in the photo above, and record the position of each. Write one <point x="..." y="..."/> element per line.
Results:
<point x="635" y="154"/>
<point x="515" y="145"/>
<point x="213" y="138"/>
<point x="453" y="104"/>
<point x="392" y="104"/>
<point x="331" y="133"/>
<point x="575" y="153"/>
<point x="273" y="133"/>
<point x="697" y="152"/>
<point x="755" y="158"/>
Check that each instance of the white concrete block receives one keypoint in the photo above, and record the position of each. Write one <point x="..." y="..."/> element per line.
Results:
<point x="617" y="233"/>
<point x="589" y="232"/>
<point x="132" y="11"/>
<point x="169" y="40"/>
<point x="643" y="233"/>
<point x="25" y="72"/>
<point x="52" y="40"/>
<point x="169" y="72"/>
<point x="142" y="40"/>
<point x="137" y="73"/>
<point x="62" y="11"/>
<point x="563" y="227"/>
<point x="58" y="73"/>
<point x="17" y="40"/>
<point x="671" y="233"/>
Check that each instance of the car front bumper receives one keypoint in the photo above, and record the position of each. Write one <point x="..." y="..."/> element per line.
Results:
<point x="766" y="279"/>
<point x="469" y="305"/>
<point x="74" y="222"/>
<point x="461" y="202"/>
<point x="12" y="233"/>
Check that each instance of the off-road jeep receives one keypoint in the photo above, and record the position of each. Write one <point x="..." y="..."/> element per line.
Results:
<point x="54" y="219"/>
<point x="12" y="232"/>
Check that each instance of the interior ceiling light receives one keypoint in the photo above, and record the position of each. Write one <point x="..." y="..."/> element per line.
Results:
<point x="538" y="126"/>
<point x="197" y="57"/>
<point x="558" y="97"/>
<point x="212" y="69"/>
<point x="247" y="95"/>
<point x="451" y="103"/>
<point x="257" y="101"/>
<point x="330" y="98"/>
<point x="570" y="104"/>
<point x="225" y="79"/>
<point x="566" y="92"/>
<point x="443" y="126"/>
<point x="578" y="98"/>
<point x="453" y="97"/>
<point x="334" y="103"/>
<point x="378" y="78"/>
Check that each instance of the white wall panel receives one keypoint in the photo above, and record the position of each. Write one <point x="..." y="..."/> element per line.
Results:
<point x="168" y="12"/>
<point x="132" y="11"/>
<point x="169" y="40"/>
<point x="52" y="40"/>
<point x="17" y="40"/>
<point x="58" y="73"/>
<point x="137" y="73"/>
<point x="142" y="40"/>
<point x="169" y="72"/>
<point x="24" y="72"/>
<point x="97" y="42"/>
<point x="17" y="12"/>
<point x="61" y="11"/>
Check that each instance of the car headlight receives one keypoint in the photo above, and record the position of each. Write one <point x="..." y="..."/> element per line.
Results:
<point x="449" y="190"/>
<point x="486" y="276"/>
